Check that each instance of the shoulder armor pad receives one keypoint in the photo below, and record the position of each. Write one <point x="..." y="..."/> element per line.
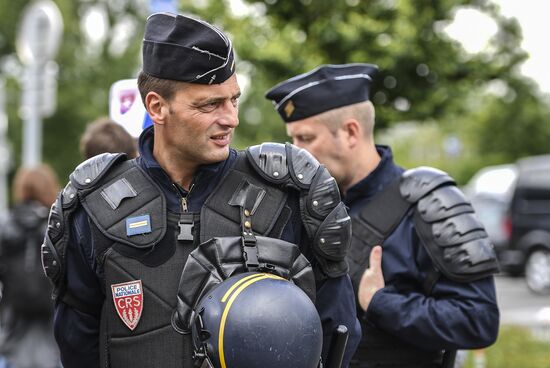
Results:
<point x="453" y="237"/>
<point x="55" y="244"/>
<point x="89" y="172"/>
<point x="324" y="216"/>
<point x="269" y="160"/>
<point x="443" y="203"/>
<point x="416" y="183"/>
<point x="279" y="163"/>
<point x="332" y="241"/>
<point x="68" y="195"/>
<point x="303" y="166"/>
<point x="323" y="194"/>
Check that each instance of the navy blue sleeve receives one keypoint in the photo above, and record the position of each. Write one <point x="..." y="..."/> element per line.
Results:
<point x="453" y="316"/>
<point x="336" y="306"/>
<point x="76" y="332"/>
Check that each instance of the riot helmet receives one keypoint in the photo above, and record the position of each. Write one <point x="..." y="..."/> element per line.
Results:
<point x="255" y="320"/>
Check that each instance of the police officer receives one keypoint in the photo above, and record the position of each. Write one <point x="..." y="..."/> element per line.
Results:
<point x="432" y="291"/>
<point x="121" y="231"/>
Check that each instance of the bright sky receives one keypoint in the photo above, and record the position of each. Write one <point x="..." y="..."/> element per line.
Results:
<point x="472" y="29"/>
<point x="533" y="17"/>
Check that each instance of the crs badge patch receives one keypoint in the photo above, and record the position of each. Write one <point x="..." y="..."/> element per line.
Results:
<point x="128" y="299"/>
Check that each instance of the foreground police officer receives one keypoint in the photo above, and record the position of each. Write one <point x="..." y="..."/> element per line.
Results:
<point x="432" y="291"/>
<point x="121" y="231"/>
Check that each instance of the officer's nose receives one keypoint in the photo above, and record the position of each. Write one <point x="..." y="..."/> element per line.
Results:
<point x="230" y="115"/>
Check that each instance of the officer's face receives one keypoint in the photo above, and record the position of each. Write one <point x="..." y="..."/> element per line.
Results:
<point x="328" y="147"/>
<point x="201" y="120"/>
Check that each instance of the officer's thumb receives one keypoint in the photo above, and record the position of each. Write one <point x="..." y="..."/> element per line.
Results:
<point x="375" y="263"/>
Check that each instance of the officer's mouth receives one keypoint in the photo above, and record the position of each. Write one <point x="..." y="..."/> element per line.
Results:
<point x="221" y="140"/>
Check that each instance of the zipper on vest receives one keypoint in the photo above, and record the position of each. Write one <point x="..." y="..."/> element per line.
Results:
<point x="183" y="196"/>
<point x="186" y="221"/>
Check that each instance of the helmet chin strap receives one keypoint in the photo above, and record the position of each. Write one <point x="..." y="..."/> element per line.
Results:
<point x="200" y="352"/>
<point x="206" y="364"/>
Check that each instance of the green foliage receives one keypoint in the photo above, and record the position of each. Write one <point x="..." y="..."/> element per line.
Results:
<point x="521" y="125"/>
<point x="85" y="76"/>
<point x="429" y="144"/>
<point x="424" y="75"/>
<point x="515" y="347"/>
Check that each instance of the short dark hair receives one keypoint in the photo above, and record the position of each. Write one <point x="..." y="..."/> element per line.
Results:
<point x="166" y="88"/>
<point x="104" y="135"/>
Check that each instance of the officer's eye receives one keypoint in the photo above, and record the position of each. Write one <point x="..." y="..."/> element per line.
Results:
<point x="209" y="106"/>
<point x="304" y="138"/>
<point x="235" y="101"/>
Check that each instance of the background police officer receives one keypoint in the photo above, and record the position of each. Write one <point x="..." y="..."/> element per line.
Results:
<point x="121" y="231"/>
<point x="432" y="291"/>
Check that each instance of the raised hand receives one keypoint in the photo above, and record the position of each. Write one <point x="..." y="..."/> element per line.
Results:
<point x="372" y="280"/>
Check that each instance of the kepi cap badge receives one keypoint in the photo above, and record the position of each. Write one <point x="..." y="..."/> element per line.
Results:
<point x="289" y="108"/>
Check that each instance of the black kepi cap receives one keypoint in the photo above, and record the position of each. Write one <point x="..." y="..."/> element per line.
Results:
<point x="324" y="88"/>
<point x="181" y="48"/>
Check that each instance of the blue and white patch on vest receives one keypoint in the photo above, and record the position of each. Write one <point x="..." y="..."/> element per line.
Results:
<point x="138" y="225"/>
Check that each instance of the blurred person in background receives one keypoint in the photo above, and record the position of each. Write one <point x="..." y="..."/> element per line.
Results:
<point x="104" y="135"/>
<point x="26" y="333"/>
<point x="432" y="292"/>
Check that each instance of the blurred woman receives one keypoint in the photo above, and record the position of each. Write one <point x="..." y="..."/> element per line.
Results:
<point x="26" y="335"/>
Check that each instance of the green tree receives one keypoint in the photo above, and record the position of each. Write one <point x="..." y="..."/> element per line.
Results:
<point x="424" y="75"/>
<point x="86" y="72"/>
<point x="509" y="126"/>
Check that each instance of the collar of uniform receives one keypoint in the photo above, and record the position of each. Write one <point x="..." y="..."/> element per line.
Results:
<point x="385" y="173"/>
<point x="205" y="180"/>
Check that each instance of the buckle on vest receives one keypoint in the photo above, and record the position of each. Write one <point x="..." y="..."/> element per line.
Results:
<point x="186" y="225"/>
<point x="250" y="251"/>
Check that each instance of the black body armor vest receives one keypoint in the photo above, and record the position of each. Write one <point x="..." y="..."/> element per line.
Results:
<point x="149" y="255"/>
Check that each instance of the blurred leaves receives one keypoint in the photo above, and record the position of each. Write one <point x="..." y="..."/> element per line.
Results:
<point x="86" y="73"/>
<point x="425" y="76"/>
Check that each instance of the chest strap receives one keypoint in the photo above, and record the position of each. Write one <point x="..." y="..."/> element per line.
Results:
<point x="372" y="225"/>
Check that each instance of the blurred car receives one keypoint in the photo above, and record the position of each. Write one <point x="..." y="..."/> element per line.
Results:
<point x="490" y="191"/>
<point x="513" y="203"/>
<point x="530" y="221"/>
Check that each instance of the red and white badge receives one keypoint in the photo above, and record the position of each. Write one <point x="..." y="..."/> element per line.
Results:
<point x="128" y="299"/>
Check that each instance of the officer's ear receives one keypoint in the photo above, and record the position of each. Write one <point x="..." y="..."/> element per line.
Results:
<point x="352" y="131"/>
<point x="157" y="107"/>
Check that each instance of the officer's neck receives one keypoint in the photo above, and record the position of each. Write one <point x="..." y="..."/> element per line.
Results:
<point x="363" y="161"/>
<point x="180" y="169"/>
